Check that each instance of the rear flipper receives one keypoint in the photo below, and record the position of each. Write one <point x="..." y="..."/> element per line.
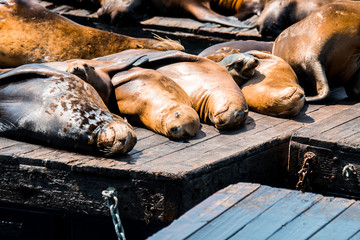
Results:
<point x="317" y="73"/>
<point x="203" y="12"/>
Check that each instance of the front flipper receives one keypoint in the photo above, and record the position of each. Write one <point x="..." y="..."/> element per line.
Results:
<point x="203" y="12"/>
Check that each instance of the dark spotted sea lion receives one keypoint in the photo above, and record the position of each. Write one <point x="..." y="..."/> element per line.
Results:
<point x="145" y="96"/>
<point x="52" y="107"/>
<point x="30" y="33"/>
<point x="214" y="94"/>
<point x="324" y="49"/>
<point x="280" y="14"/>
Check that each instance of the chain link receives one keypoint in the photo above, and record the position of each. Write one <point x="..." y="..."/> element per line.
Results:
<point x="112" y="201"/>
<point x="306" y="170"/>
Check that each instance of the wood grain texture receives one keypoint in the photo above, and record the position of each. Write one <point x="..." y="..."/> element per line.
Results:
<point x="269" y="213"/>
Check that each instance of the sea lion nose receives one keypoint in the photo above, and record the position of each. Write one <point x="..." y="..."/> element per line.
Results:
<point x="116" y="138"/>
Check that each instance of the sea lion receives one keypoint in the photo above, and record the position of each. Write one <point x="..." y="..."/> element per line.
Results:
<point x="218" y="51"/>
<point x="277" y="15"/>
<point x="214" y="94"/>
<point x="273" y="89"/>
<point x="268" y="83"/>
<point x="30" y="33"/>
<point x="145" y="96"/>
<point x="56" y="108"/>
<point x="201" y="9"/>
<point x="324" y="49"/>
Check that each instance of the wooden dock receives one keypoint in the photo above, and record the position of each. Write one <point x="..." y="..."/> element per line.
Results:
<point x="253" y="211"/>
<point x="159" y="179"/>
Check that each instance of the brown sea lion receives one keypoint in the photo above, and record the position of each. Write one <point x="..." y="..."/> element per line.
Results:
<point x="30" y="33"/>
<point x="268" y="83"/>
<point x="324" y="49"/>
<point x="53" y="107"/>
<point x="214" y="94"/>
<point x="200" y="9"/>
<point x="280" y="14"/>
<point x="273" y="89"/>
<point x="145" y="96"/>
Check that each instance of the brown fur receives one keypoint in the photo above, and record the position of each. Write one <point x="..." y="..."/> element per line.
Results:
<point x="30" y="33"/>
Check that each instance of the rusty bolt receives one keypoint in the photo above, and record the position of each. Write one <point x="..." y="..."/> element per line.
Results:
<point x="332" y="178"/>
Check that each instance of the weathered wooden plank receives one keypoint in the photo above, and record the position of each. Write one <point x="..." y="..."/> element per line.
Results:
<point x="142" y="133"/>
<point x="356" y="236"/>
<point x="326" y="124"/>
<point x="241" y="214"/>
<point x="192" y="154"/>
<point x="278" y="215"/>
<point x="341" y="131"/>
<point x="19" y="148"/>
<point x="206" y="211"/>
<point x="310" y="221"/>
<point x="342" y="227"/>
<point x="168" y="147"/>
<point x="5" y="142"/>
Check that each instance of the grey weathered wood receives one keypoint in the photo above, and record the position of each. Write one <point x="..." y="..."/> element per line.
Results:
<point x="241" y="214"/>
<point x="278" y="215"/>
<point x="206" y="211"/>
<point x="268" y="213"/>
<point x="342" y="227"/>
<point x="310" y="221"/>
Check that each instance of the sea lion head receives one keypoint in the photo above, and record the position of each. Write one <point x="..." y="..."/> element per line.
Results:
<point x="181" y="122"/>
<point x="115" y="138"/>
<point x="227" y="112"/>
<point x="241" y="66"/>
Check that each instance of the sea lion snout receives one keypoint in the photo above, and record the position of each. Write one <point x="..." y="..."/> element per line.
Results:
<point x="291" y="101"/>
<point x="230" y="118"/>
<point x="183" y="123"/>
<point x="115" y="138"/>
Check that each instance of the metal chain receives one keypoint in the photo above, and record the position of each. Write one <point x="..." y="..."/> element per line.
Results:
<point x="111" y="199"/>
<point x="305" y="171"/>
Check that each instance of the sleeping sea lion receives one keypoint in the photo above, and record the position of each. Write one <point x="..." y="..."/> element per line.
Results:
<point x="268" y="83"/>
<point x="280" y="14"/>
<point x="53" y="107"/>
<point x="200" y="9"/>
<point x="30" y="33"/>
<point x="214" y="94"/>
<point x="324" y="49"/>
<point x="145" y="96"/>
<point x="273" y="89"/>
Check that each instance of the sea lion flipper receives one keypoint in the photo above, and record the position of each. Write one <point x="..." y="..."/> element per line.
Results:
<point x="29" y="70"/>
<point x="321" y="82"/>
<point x="204" y="13"/>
